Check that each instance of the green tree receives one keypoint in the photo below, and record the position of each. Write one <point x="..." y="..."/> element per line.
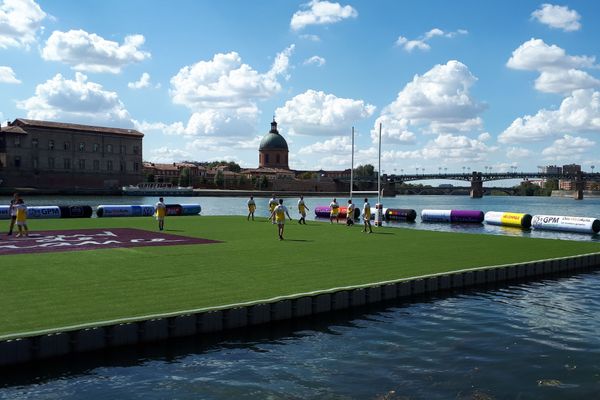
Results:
<point x="219" y="178"/>
<point x="184" y="177"/>
<point x="364" y="171"/>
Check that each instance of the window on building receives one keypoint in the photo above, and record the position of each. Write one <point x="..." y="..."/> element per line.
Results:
<point x="96" y="146"/>
<point x="122" y="166"/>
<point x="17" y="162"/>
<point x="67" y="163"/>
<point x="66" y="145"/>
<point x="35" y="163"/>
<point x="50" y="162"/>
<point x="109" y="148"/>
<point x="277" y="157"/>
<point x="35" y="143"/>
<point x="136" y="149"/>
<point x="109" y="165"/>
<point x="51" y="144"/>
<point x="81" y="164"/>
<point x="136" y="166"/>
<point x="81" y="146"/>
<point x="17" y="142"/>
<point x="266" y="158"/>
<point x="96" y="165"/>
<point x="123" y="149"/>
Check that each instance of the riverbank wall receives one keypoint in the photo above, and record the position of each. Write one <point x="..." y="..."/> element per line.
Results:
<point x="41" y="345"/>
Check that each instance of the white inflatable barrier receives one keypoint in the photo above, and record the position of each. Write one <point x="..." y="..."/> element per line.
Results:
<point x="39" y="212"/>
<point x="374" y="211"/>
<point x="4" y="212"/>
<point x="566" y="224"/>
<point x="436" y="215"/>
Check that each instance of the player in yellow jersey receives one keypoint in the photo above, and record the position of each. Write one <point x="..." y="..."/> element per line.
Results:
<point x="335" y="211"/>
<point x="272" y="205"/>
<point x="161" y="211"/>
<point x="251" y="208"/>
<point x="21" y="209"/>
<point x="279" y="214"/>
<point x="367" y="216"/>
<point x="302" y="208"/>
<point x="350" y="214"/>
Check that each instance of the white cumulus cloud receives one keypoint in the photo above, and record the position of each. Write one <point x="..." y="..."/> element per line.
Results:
<point x="518" y="152"/>
<point x="455" y="148"/>
<point x="560" y="17"/>
<point x="317" y="113"/>
<point x="143" y="82"/>
<point x="20" y="20"/>
<point x="567" y="148"/>
<point x="321" y="13"/>
<point x="78" y="101"/>
<point x="438" y="101"/>
<point x="579" y="112"/>
<point x="222" y="93"/>
<point x="315" y="60"/>
<point x="421" y="43"/>
<point x="335" y="145"/>
<point x="7" y="75"/>
<point x="559" y="72"/>
<point x="89" y="52"/>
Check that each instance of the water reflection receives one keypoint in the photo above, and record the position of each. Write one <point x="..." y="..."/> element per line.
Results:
<point x="533" y="340"/>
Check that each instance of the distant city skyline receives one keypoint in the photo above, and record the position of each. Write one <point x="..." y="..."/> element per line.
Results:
<point x="457" y="85"/>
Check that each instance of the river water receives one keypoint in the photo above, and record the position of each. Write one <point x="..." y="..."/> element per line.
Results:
<point x="535" y="340"/>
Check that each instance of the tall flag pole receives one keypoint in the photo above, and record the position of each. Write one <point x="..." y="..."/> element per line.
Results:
<point x="352" y="167"/>
<point x="379" y="170"/>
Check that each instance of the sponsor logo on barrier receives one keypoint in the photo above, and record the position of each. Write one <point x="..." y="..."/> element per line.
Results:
<point x="93" y="239"/>
<point x="43" y="212"/>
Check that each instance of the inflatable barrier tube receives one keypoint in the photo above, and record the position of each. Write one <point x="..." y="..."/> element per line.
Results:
<point x="400" y="214"/>
<point x="174" y="209"/>
<point x="436" y="215"/>
<point x="191" y="209"/>
<point x="325" y="212"/>
<point x="471" y="216"/>
<point x="76" y="211"/>
<point x="4" y="212"/>
<point x="374" y="210"/>
<point x="42" y="212"/>
<point x="508" y="219"/>
<point x="566" y="224"/>
<point x="105" y="211"/>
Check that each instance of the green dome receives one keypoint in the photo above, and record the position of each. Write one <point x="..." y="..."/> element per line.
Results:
<point x="273" y="140"/>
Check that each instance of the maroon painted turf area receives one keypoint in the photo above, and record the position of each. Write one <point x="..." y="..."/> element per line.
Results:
<point x="91" y="239"/>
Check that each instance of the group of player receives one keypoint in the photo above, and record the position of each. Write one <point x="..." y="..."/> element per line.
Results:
<point x="278" y="213"/>
<point x="18" y="216"/>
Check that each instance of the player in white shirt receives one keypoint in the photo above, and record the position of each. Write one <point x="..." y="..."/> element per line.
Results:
<point x="272" y="204"/>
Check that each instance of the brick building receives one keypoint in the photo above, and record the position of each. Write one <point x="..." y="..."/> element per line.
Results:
<point x="56" y="155"/>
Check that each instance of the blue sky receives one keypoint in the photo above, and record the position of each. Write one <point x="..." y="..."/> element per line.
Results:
<point x="500" y="84"/>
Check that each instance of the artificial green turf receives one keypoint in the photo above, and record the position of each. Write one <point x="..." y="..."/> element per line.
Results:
<point x="53" y="290"/>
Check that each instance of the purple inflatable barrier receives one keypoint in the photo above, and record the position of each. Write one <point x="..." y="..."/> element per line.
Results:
<point x="475" y="216"/>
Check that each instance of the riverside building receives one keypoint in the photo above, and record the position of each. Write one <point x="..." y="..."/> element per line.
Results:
<point x="56" y="155"/>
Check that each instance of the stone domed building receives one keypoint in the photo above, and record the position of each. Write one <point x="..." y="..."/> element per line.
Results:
<point x="273" y="150"/>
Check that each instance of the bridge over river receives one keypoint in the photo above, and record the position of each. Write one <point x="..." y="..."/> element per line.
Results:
<point x="478" y="178"/>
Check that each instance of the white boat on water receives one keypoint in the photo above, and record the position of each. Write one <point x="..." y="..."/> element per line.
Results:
<point x="157" y="189"/>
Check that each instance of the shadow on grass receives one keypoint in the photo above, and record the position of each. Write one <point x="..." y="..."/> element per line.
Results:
<point x="297" y="240"/>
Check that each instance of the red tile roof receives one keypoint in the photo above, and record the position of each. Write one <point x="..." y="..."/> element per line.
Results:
<point x="22" y="122"/>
